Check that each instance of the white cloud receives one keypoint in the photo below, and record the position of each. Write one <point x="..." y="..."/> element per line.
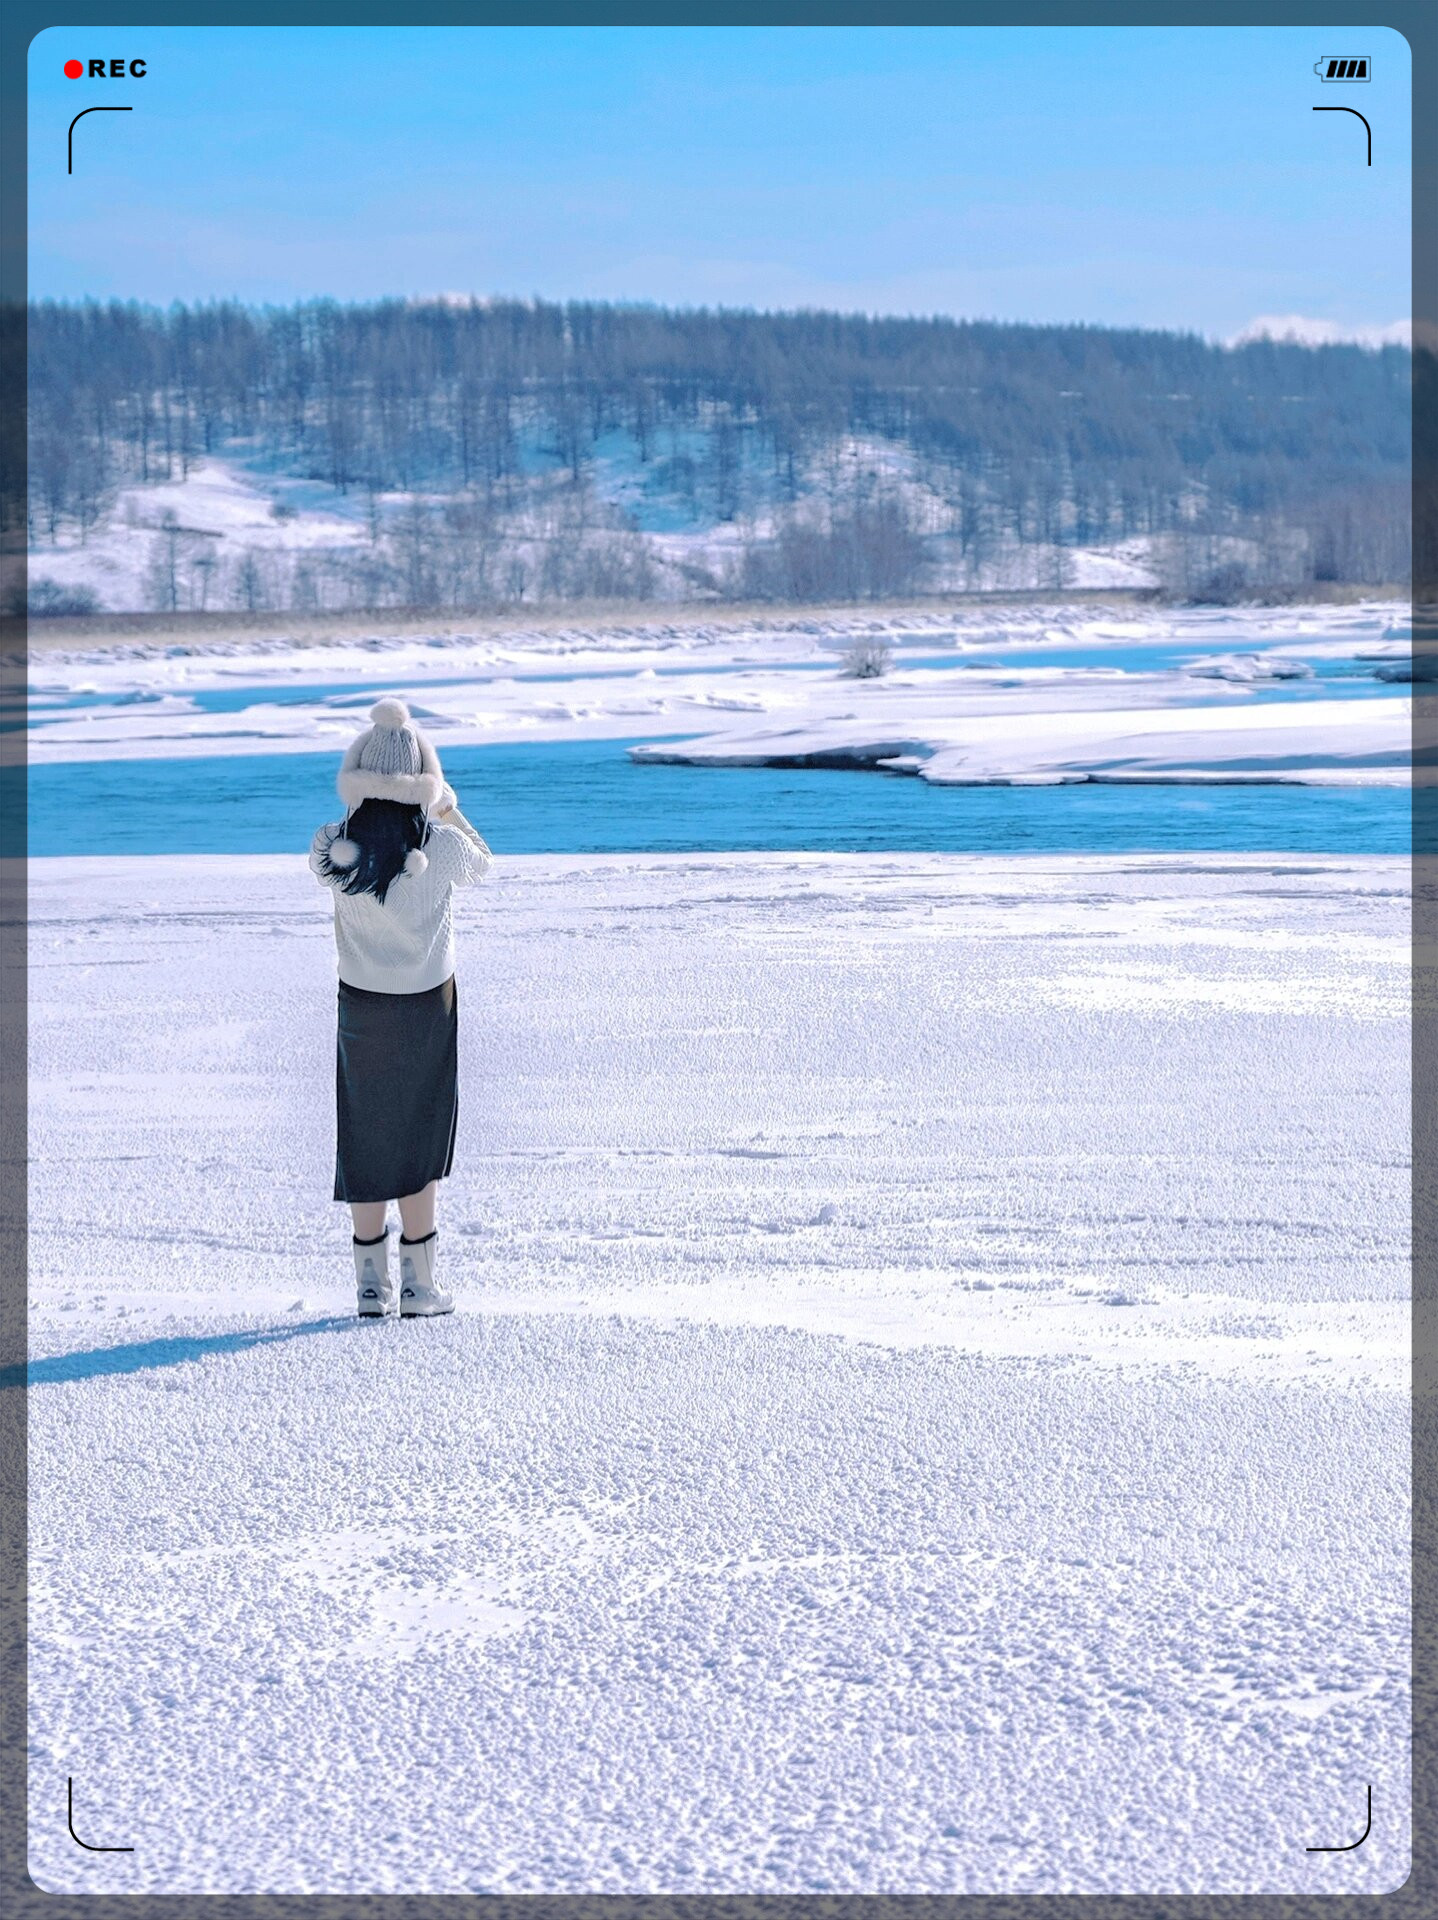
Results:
<point x="1308" y="332"/>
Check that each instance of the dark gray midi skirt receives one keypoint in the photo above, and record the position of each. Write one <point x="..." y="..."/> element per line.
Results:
<point x="396" y="1090"/>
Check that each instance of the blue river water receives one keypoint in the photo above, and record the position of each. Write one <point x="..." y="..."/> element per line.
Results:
<point x="589" y="797"/>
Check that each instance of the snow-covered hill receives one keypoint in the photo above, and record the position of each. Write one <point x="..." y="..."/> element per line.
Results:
<point x="231" y="533"/>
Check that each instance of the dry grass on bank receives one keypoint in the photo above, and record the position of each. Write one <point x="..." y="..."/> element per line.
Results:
<point x="325" y="629"/>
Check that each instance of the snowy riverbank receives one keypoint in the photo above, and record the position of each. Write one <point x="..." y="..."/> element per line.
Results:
<point x="1047" y="692"/>
<point x="919" y="1316"/>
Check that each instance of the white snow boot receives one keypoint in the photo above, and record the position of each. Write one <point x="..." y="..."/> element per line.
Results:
<point x="419" y="1291"/>
<point x="374" y="1288"/>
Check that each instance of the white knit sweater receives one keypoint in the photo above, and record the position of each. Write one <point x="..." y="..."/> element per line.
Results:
<point x="405" y="945"/>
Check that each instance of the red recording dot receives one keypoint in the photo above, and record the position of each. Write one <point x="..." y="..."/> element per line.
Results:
<point x="73" y="69"/>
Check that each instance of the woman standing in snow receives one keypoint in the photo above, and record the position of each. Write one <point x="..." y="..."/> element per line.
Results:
<point x="391" y="865"/>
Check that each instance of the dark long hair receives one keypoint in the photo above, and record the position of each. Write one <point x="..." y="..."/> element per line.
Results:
<point x="385" y="832"/>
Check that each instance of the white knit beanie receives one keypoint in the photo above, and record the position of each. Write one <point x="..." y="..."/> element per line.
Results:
<point x="393" y="761"/>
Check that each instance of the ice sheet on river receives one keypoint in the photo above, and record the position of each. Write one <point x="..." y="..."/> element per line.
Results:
<point x="776" y="676"/>
<point x="1316" y="742"/>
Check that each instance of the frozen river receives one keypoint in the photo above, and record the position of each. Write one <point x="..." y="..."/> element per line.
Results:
<point x="928" y="1258"/>
<point x="1200" y="707"/>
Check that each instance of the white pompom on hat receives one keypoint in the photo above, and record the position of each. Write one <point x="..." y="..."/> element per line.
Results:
<point x="393" y="760"/>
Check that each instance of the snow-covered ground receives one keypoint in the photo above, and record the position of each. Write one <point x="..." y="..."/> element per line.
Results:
<point x="1079" y="693"/>
<point x="927" y="1410"/>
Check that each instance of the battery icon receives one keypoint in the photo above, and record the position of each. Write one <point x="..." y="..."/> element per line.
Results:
<point x="1343" y="66"/>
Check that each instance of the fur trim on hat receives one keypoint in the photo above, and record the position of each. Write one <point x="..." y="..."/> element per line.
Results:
<point x="342" y="852"/>
<point x="358" y="784"/>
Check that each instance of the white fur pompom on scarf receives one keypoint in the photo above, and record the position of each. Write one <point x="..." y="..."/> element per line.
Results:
<point x="343" y="853"/>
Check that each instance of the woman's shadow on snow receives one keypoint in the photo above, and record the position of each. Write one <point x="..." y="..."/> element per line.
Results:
<point x="139" y="1355"/>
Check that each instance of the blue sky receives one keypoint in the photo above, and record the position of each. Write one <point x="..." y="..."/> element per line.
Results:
<point x="1132" y="176"/>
